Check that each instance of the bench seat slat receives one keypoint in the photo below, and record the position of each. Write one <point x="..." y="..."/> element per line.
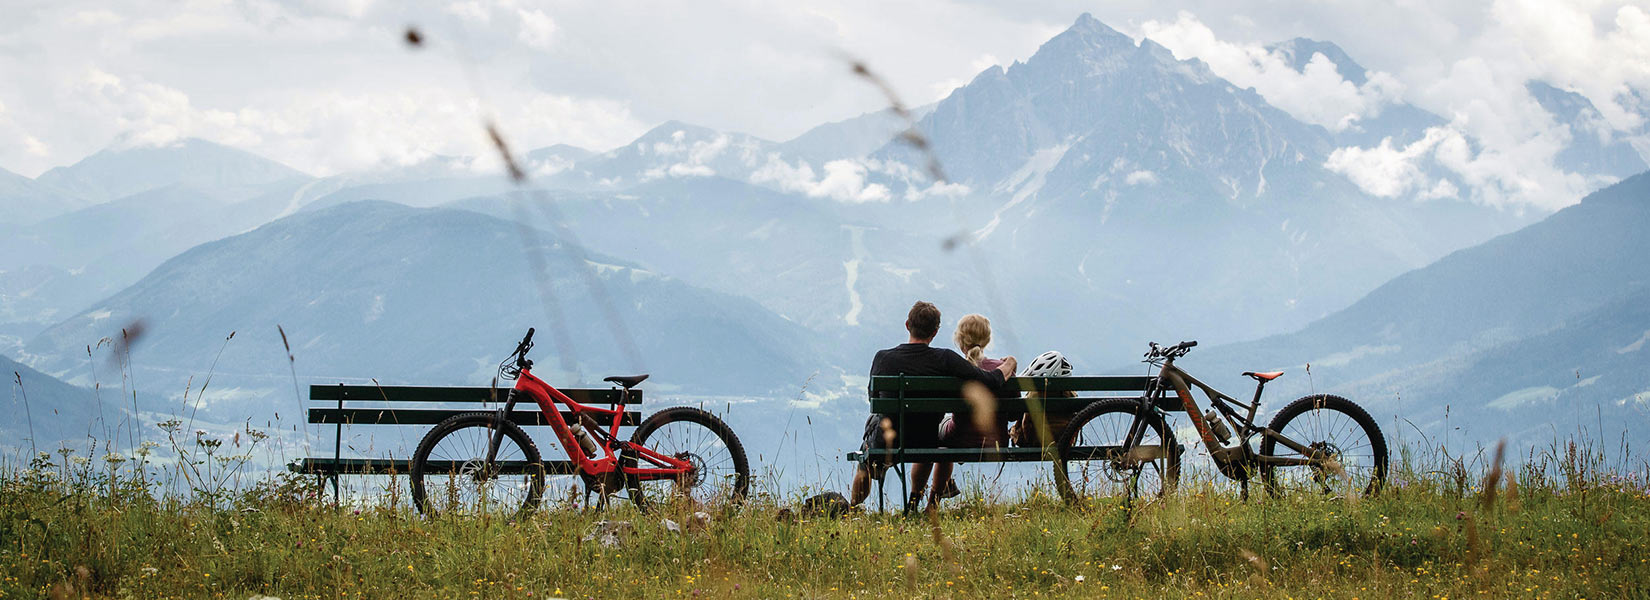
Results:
<point x="415" y="416"/>
<point x="982" y="454"/>
<point x="379" y="466"/>
<point x="407" y="393"/>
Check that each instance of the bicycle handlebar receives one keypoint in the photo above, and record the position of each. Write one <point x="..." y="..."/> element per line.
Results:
<point x="526" y="342"/>
<point x="522" y="348"/>
<point x="1174" y="351"/>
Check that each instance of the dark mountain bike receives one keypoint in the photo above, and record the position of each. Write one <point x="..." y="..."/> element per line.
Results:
<point x="483" y="462"/>
<point x="1320" y="443"/>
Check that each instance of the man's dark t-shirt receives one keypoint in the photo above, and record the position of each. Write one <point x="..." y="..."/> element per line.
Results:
<point x="922" y="429"/>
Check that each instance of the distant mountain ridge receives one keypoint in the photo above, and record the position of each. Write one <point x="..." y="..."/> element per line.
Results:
<point x="53" y="412"/>
<point x="116" y="173"/>
<point x="25" y="201"/>
<point x="430" y="296"/>
<point x="1498" y="332"/>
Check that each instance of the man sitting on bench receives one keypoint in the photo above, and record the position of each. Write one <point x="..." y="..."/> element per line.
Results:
<point x="916" y="357"/>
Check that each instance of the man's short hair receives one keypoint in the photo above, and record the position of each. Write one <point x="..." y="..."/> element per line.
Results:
<point x="923" y="321"/>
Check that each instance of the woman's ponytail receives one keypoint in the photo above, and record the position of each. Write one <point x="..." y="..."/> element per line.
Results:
<point x="972" y="336"/>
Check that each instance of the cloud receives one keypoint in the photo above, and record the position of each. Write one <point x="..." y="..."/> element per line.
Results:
<point x="1386" y="171"/>
<point x="1317" y="94"/>
<point x="843" y="180"/>
<point x="1561" y="42"/>
<point x="324" y="133"/>
<point x="1512" y="176"/>
<point x="471" y="10"/>
<point x="1500" y="143"/>
<point x="537" y="29"/>
<point x="1141" y="177"/>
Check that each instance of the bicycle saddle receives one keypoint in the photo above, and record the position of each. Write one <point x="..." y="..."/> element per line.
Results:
<point x="1263" y="376"/>
<point x="627" y="381"/>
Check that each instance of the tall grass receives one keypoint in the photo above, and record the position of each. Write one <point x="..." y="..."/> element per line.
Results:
<point x="1561" y="523"/>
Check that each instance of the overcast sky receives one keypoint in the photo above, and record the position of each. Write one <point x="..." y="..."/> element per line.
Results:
<point x="328" y="86"/>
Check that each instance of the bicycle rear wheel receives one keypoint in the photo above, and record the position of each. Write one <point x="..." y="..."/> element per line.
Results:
<point x="1092" y="461"/>
<point x="1351" y="452"/>
<point x="720" y="475"/>
<point x="450" y="475"/>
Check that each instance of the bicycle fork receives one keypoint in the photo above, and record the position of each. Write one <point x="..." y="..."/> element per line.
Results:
<point x="497" y="436"/>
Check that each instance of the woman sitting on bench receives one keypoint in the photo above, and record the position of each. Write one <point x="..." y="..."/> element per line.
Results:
<point x="986" y="427"/>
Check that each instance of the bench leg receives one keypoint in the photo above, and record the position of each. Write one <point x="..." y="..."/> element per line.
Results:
<point x="882" y="496"/>
<point x="904" y="490"/>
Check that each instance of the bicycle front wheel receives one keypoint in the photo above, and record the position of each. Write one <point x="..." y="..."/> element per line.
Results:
<point x="719" y="476"/>
<point x="1096" y="459"/>
<point x="1345" y="447"/>
<point x="450" y="474"/>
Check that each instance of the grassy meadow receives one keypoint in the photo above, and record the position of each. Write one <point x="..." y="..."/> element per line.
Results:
<point x="1555" y="524"/>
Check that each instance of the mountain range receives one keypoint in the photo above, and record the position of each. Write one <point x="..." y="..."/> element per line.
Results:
<point x="1098" y="195"/>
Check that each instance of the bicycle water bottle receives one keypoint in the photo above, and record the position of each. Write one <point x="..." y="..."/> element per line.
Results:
<point x="586" y="442"/>
<point x="1221" y="431"/>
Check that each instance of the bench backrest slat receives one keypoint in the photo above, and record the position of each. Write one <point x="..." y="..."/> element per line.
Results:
<point x="1010" y="407"/>
<point x="1118" y="383"/>
<point x="406" y="393"/>
<point x="944" y="393"/>
<point x="402" y="416"/>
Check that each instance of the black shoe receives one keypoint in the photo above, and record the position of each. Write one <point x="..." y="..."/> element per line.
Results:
<point x="949" y="490"/>
<point x="913" y="505"/>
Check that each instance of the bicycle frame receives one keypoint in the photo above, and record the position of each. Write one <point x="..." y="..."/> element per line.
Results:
<point x="548" y="397"/>
<point x="1235" y="461"/>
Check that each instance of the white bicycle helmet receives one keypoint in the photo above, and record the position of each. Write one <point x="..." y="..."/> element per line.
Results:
<point x="1048" y="364"/>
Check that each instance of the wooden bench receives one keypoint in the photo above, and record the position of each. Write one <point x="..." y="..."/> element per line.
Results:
<point x="898" y="396"/>
<point x="352" y="405"/>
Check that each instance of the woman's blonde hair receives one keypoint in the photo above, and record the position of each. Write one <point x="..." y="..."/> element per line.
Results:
<point x="972" y="336"/>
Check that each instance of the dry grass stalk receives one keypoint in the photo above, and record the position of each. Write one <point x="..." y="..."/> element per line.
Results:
<point x="516" y="173"/>
<point x="910" y="572"/>
<point x="939" y="537"/>
<point x="1473" y="550"/>
<point x="911" y="136"/>
<point x="1261" y="567"/>
<point x="1492" y="481"/>
<point x="982" y="405"/>
<point x="1513" y="503"/>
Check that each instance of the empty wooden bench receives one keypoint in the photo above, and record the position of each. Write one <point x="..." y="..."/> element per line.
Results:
<point x="344" y="406"/>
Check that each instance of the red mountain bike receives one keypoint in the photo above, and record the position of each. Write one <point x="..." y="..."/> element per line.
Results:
<point x="482" y="462"/>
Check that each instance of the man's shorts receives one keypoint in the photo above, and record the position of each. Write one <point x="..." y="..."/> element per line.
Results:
<point x="922" y="431"/>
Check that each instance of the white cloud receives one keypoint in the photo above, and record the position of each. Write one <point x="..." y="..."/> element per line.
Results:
<point x="1141" y="177"/>
<point x="1386" y="171"/>
<point x="1500" y="142"/>
<point x="538" y="30"/>
<point x="843" y="180"/>
<point x="471" y="10"/>
<point x="1508" y="176"/>
<point x="1317" y="94"/>
<point x="1560" y="42"/>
